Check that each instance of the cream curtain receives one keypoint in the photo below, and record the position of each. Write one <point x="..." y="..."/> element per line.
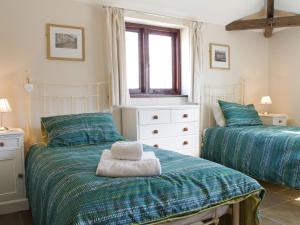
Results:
<point x="196" y="60"/>
<point x="116" y="56"/>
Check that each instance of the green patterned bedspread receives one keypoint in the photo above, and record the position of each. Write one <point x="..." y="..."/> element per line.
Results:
<point x="63" y="189"/>
<point x="270" y="153"/>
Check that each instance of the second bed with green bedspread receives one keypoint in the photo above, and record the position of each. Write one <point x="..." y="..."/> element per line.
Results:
<point x="269" y="153"/>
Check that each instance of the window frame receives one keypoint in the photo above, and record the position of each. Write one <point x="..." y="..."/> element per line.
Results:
<point x="144" y="31"/>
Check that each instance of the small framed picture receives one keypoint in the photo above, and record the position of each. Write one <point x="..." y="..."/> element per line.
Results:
<point x="219" y="56"/>
<point x="65" y="42"/>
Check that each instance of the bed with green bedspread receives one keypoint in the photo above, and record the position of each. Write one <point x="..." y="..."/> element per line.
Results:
<point x="63" y="189"/>
<point x="269" y="153"/>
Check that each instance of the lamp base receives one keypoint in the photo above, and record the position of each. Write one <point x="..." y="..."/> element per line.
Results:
<point x="4" y="128"/>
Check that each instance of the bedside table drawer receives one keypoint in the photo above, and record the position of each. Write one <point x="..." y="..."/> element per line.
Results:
<point x="279" y="121"/>
<point x="11" y="143"/>
<point x="273" y="119"/>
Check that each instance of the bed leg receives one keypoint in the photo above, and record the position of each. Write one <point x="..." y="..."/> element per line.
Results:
<point x="236" y="214"/>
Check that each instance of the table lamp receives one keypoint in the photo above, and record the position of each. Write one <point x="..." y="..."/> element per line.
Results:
<point x="266" y="100"/>
<point x="4" y="108"/>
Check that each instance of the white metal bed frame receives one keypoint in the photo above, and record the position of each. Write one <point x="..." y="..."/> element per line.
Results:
<point x="210" y="96"/>
<point x="50" y="99"/>
<point x="93" y="97"/>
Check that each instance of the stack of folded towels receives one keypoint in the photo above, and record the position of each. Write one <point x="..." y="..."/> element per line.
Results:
<point x="127" y="159"/>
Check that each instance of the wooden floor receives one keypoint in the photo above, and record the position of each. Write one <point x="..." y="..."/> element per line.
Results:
<point x="281" y="206"/>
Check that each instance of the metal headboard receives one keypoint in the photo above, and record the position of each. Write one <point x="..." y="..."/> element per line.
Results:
<point x="211" y="95"/>
<point x="50" y="99"/>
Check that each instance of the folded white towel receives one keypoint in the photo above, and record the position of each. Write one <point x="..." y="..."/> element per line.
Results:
<point x="127" y="150"/>
<point x="149" y="165"/>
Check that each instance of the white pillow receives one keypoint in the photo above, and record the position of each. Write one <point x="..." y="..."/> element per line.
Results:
<point x="219" y="117"/>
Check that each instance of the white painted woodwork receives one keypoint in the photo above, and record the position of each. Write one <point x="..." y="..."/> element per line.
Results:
<point x="174" y="128"/>
<point x="274" y="119"/>
<point x="154" y="116"/>
<point x="12" y="172"/>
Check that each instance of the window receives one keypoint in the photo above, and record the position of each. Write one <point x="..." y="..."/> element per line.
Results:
<point x="152" y="60"/>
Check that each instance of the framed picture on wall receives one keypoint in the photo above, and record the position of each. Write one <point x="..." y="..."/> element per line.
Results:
<point x="219" y="56"/>
<point x="65" y="42"/>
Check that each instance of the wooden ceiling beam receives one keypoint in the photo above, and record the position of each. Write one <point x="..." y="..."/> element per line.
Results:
<point x="268" y="31"/>
<point x="276" y="22"/>
<point x="288" y="21"/>
<point x="247" y="24"/>
<point x="270" y="8"/>
<point x="268" y="23"/>
<point x="270" y="15"/>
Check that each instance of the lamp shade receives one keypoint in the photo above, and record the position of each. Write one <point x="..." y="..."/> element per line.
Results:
<point x="266" y="100"/>
<point x="4" y="105"/>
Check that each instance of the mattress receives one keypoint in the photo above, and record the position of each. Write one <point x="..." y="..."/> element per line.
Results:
<point x="63" y="189"/>
<point x="269" y="153"/>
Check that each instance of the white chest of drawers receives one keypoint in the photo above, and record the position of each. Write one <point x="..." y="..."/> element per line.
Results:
<point x="173" y="128"/>
<point x="12" y="174"/>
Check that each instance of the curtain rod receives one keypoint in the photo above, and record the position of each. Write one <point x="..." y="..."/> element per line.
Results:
<point x="153" y="14"/>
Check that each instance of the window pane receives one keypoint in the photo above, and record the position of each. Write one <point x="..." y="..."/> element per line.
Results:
<point x="132" y="60"/>
<point x="160" y="59"/>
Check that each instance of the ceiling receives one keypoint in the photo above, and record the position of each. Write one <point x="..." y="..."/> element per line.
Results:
<point x="212" y="11"/>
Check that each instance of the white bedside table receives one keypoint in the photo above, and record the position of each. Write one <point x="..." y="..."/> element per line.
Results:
<point x="12" y="172"/>
<point x="274" y="119"/>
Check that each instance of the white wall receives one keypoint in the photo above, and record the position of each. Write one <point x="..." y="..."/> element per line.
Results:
<point x="23" y="47"/>
<point x="284" y="73"/>
<point x="249" y="60"/>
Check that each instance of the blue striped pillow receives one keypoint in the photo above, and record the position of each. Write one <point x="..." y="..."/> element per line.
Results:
<point x="80" y="129"/>
<point x="239" y="115"/>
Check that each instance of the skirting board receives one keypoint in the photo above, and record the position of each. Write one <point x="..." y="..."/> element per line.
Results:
<point x="14" y="206"/>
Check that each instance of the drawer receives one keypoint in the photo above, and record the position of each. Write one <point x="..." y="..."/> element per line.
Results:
<point x="9" y="143"/>
<point x="279" y="121"/>
<point x="168" y="130"/>
<point x="187" y="142"/>
<point x="174" y="143"/>
<point x="190" y="128"/>
<point x="184" y="115"/>
<point x="154" y="116"/>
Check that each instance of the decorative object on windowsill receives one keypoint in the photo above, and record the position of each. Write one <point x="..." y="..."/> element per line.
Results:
<point x="65" y="42"/>
<point x="4" y="108"/>
<point x="28" y="86"/>
<point x="219" y="56"/>
<point x="266" y="100"/>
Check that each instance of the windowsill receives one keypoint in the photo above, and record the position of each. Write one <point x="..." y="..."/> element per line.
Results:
<point x="156" y="96"/>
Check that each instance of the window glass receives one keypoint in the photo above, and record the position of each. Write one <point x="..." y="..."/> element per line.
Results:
<point x="132" y="60"/>
<point x="160" y="62"/>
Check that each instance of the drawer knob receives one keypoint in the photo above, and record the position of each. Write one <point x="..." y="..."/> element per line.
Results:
<point x="185" y="115"/>
<point x="156" y="145"/>
<point x="155" y="117"/>
<point x="155" y="131"/>
<point x="185" y="143"/>
<point x="185" y="129"/>
<point x="20" y="175"/>
<point x="1" y="144"/>
<point x="280" y="121"/>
